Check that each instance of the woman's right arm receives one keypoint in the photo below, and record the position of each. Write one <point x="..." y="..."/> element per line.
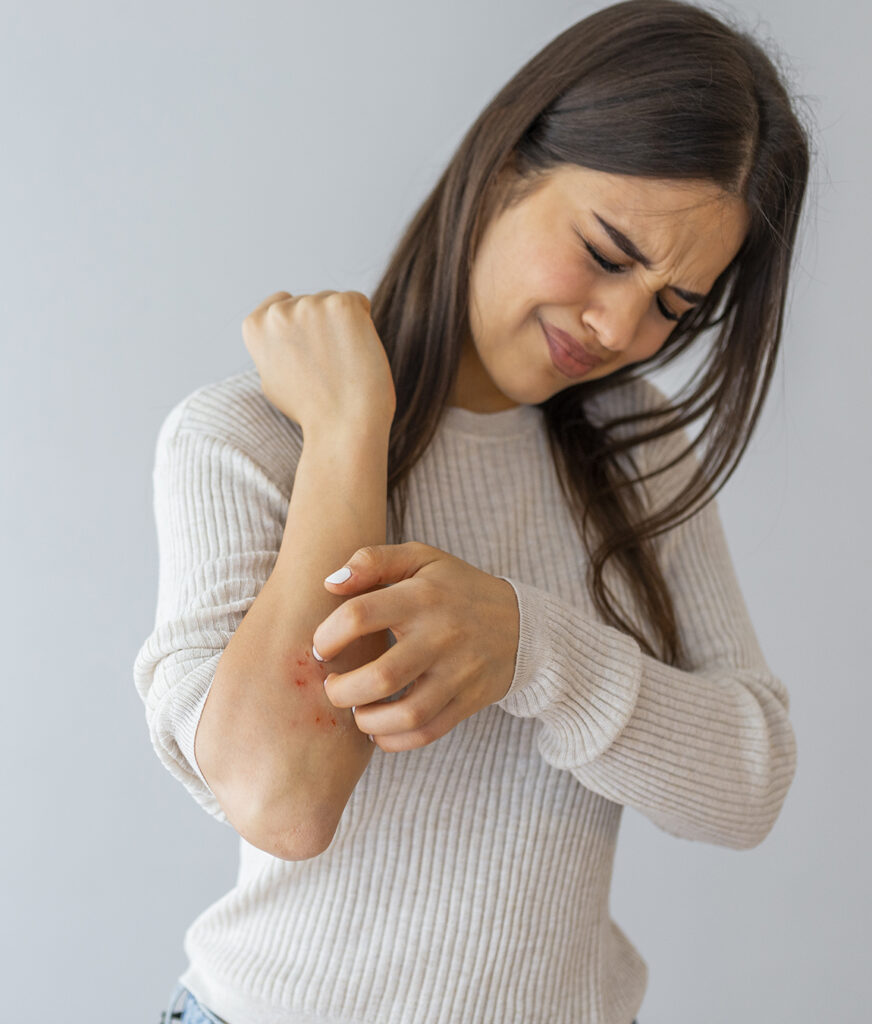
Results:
<point x="279" y="757"/>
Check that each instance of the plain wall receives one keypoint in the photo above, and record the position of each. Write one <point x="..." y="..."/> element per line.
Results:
<point x="168" y="166"/>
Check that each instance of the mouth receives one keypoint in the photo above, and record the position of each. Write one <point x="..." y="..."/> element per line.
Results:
<point x="568" y="346"/>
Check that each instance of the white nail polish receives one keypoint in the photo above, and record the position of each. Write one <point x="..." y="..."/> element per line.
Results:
<point x="340" y="576"/>
<point x="315" y="652"/>
<point x="353" y="708"/>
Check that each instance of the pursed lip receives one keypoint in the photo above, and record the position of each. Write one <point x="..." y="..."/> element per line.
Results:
<point x="573" y="347"/>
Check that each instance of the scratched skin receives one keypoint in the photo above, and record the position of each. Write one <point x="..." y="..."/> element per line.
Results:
<point x="308" y="675"/>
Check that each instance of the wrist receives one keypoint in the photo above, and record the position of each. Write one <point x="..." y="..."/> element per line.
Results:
<point x="345" y="433"/>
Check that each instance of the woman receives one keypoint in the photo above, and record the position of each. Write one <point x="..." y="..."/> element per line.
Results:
<point x="427" y="754"/>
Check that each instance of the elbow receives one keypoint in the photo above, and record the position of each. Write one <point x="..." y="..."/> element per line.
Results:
<point x="752" y="837"/>
<point x="769" y="796"/>
<point x="283" y="847"/>
<point x="743" y="831"/>
<point x="275" y="823"/>
<point x="745" y="811"/>
<point x="288" y="850"/>
<point x="288" y="834"/>
<point x="304" y="846"/>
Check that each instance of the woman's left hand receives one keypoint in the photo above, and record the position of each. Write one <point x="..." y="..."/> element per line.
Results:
<point x="456" y="630"/>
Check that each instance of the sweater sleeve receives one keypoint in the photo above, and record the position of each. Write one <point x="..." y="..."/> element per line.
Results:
<point x="706" y="750"/>
<point x="219" y="521"/>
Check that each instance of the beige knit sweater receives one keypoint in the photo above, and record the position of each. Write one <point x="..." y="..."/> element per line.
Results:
<point x="468" y="880"/>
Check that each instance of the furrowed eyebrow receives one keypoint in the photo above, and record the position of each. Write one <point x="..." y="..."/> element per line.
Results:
<point x="629" y="249"/>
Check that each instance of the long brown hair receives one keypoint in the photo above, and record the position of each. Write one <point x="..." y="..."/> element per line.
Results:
<point x="652" y="88"/>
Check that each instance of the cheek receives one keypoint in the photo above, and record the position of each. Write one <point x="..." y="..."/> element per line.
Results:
<point x="568" y="284"/>
<point x="546" y="274"/>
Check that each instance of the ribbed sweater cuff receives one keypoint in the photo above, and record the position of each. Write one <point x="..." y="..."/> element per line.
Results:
<point x="580" y="676"/>
<point x="175" y="727"/>
<point x="189" y="708"/>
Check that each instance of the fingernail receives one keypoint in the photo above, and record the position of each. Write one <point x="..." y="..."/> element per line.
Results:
<point x="315" y="652"/>
<point x="371" y="740"/>
<point x="340" y="576"/>
<point x="353" y="708"/>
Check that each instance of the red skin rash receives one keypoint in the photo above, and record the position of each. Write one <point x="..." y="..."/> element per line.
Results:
<point x="312" y="672"/>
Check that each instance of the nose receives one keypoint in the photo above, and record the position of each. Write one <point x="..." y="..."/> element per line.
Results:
<point x="614" y="319"/>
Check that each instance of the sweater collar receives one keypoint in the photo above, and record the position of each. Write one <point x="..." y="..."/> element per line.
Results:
<point x="521" y="419"/>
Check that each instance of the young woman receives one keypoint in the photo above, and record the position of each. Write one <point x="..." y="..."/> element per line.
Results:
<point x="425" y="726"/>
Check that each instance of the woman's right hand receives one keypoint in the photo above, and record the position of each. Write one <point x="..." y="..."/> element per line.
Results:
<point x="320" y="359"/>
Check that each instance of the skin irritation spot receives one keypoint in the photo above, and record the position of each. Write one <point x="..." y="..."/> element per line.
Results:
<point x="297" y="661"/>
<point x="307" y="675"/>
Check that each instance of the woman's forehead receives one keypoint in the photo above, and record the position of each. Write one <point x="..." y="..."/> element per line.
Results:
<point x="637" y="195"/>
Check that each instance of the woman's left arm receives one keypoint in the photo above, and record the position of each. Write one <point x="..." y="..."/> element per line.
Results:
<point x="705" y="751"/>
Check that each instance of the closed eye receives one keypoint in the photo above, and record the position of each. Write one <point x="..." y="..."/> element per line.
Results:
<point x="617" y="268"/>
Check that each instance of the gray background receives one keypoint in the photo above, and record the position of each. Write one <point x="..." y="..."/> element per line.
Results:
<point x="168" y="166"/>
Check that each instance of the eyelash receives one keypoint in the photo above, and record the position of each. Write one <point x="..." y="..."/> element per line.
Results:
<point x="616" y="268"/>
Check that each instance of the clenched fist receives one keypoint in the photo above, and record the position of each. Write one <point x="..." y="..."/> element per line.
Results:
<point x="320" y="359"/>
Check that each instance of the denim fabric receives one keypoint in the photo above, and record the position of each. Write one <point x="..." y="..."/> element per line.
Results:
<point x="183" y="1008"/>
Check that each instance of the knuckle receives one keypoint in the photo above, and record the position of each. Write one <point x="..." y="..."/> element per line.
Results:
<point x="414" y="720"/>
<point x="367" y="555"/>
<point x="384" y="681"/>
<point x="357" y="611"/>
<point x="426" y="734"/>
<point x="456" y="634"/>
<point x="428" y="592"/>
<point x="358" y="298"/>
<point x="275" y="301"/>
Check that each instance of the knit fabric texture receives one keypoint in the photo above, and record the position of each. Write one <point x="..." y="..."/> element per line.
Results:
<point x="468" y="880"/>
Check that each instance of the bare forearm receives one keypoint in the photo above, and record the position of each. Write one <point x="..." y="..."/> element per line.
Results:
<point x="280" y="758"/>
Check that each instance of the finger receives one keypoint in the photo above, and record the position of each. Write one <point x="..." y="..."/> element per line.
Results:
<point x="386" y="608"/>
<point x="451" y="715"/>
<point x="382" y="564"/>
<point x="419" y="704"/>
<point x="380" y="679"/>
<point x="268" y="301"/>
<point x="364" y="300"/>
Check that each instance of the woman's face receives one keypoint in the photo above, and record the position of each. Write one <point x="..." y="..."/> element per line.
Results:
<point x="539" y="270"/>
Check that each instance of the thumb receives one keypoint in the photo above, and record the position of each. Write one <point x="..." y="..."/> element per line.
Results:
<point x="380" y="564"/>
